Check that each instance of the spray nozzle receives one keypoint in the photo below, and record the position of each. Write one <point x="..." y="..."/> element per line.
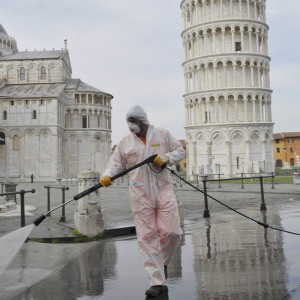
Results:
<point x="39" y="220"/>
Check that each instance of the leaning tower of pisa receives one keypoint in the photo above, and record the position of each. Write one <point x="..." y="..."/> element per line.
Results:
<point x="227" y="99"/>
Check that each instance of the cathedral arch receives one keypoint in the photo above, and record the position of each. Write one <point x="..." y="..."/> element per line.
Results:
<point x="30" y="131"/>
<point x="99" y="136"/>
<point x="45" y="131"/>
<point x="108" y="137"/>
<point x="85" y="136"/>
<point x="14" y="132"/>
<point x="189" y="137"/>
<point x="201" y="138"/>
<point x="255" y="136"/>
<point x="237" y="137"/>
<point x="72" y="137"/>
<point x="217" y="138"/>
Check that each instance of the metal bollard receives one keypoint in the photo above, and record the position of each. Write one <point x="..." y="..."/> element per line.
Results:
<point x="22" y="202"/>
<point x="63" y="215"/>
<point x="206" y="210"/>
<point x="242" y="180"/>
<point x="48" y="198"/>
<point x="263" y="205"/>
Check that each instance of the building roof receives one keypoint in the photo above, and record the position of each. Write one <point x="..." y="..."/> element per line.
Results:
<point x="85" y="87"/>
<point x="29" y="55"/>
<point x="282" y="135"/>
<point x="31" y="90"/>
<point x="72" y="84"/>
<point x="80" y="86"/>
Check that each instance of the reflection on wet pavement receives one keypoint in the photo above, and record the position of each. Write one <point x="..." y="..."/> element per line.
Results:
<point x="224" y="257"/>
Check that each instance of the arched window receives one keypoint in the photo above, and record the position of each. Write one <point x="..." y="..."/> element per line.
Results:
<point x="22" y="73"/>
<point x="4" y="115"/>
<point x="43" y="73"/>
<point x="2" y="138"/>
<point x="279" y="163"/>
<point x="34" y="114"/>
<point x="292" y="162"/>
<point x="85" y="122"/>
<point x="16" y="143"/>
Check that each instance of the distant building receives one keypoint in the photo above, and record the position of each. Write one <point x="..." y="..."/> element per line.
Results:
<point x="51" y="125"/>
<point x="286" y="149"/>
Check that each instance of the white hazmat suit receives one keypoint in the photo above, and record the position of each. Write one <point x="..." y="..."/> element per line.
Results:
<point x="152" y="197"/>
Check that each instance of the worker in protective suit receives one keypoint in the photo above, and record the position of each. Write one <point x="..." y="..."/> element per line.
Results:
<point x="152" y="196"/>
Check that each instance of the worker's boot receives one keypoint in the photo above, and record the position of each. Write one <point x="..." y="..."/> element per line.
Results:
<point x="155" y="290"/>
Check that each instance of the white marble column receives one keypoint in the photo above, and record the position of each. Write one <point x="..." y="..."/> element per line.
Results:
<point x="88" y="218"/>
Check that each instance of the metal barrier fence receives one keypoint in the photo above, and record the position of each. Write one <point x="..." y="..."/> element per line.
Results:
<point x="263" y="207"/>
<point x="63" y="189"/>
<point x="22" y="202"/>
<point x="243" y="178"/>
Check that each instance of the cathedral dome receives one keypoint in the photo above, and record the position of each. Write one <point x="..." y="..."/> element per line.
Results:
<point x="2" y="30"/>
<point x="8" y="44"/>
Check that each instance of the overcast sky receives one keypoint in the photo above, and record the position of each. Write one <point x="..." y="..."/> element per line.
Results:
<point x="133" y="50"/>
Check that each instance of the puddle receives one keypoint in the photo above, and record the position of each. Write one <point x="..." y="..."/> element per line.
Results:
<point x="226" y="257"/>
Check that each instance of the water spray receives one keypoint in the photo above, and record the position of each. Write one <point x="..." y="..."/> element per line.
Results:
<point x="148" y="160"/>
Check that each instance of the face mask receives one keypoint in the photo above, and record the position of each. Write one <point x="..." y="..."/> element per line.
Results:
<point x="134" y="127"/>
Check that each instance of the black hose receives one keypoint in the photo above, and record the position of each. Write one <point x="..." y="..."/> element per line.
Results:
<point x="148" y="160"/>
<point x="227" y="206"/>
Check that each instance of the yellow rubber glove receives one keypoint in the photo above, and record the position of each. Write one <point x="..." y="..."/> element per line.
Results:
<point x="105" y="181"/>
<point x="161" y="160"/>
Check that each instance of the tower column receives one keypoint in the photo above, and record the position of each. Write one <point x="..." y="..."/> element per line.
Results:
<point x="234" y="75"/>
<point x="228" y="158"/>
<point x="236" y="110"/>
<point x="246" y="110"/>
<point x="223" y="40"/>
<point x="252" y="74"/>
<point x="250" y="39"/>
<point x="226" y="110"/>
<point x="253" y="111"/>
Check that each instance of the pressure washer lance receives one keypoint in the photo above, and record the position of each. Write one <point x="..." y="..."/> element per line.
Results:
<point x="148" y="160"/>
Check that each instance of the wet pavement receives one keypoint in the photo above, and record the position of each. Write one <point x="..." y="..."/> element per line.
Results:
<point x="225" y="256"/>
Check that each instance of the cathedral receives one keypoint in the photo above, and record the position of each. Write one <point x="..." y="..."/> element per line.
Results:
<point x="51" y="125"/>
